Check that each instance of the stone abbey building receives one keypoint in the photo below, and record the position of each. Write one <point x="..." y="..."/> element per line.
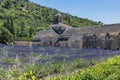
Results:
<point x="61" y="35"/>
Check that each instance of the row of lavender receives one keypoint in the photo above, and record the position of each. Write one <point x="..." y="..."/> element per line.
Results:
<point x="39" y="55"/>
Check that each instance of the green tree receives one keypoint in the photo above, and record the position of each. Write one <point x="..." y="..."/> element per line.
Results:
<point x="7" y="4"/>
<point x="5" y="36"/>
<point x="12" y="29"/>
<point x="31" y="32"/>
<point x="23" y="30"/>
<point x="9" y="24"/>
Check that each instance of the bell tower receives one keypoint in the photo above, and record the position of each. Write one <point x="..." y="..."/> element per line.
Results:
<point x="57" y="18"/>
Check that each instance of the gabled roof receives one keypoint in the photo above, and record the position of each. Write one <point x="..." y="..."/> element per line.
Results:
<point x="58" y="14"/>
<point x="59" y="25"/>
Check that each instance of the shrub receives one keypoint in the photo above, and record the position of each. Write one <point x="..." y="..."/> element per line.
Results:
<point x="109" y="70"/>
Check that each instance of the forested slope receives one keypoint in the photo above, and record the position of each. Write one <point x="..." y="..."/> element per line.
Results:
<point x="23" y="18"/>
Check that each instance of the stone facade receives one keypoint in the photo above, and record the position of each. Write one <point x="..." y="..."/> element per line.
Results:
<point x="61" y="35"/>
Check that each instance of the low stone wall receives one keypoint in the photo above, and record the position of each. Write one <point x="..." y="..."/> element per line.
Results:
<point x="27" y="43"/>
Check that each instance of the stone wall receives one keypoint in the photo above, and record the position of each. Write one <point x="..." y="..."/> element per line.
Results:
<point x="27" y="43"/>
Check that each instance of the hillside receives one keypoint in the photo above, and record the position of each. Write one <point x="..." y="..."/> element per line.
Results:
<point x="26" y="18"/>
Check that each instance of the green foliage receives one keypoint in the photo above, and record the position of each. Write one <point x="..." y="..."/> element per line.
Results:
<point x="31" y="31"/>
<point x="109" y="70"/>
<point x="39" y="71"/>
<point x="5" y="36"/>
<point x="9" y="24"/>
<point x="16" y="74"/>
<point x="46" y="69"/>
<point x="17" y="15"/>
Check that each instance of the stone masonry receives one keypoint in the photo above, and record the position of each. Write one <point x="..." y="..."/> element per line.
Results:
<point x="62" y="35"/>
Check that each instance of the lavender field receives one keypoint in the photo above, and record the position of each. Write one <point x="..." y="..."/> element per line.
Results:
<point x="45" y="61"/>
<point x="39" y="55"/>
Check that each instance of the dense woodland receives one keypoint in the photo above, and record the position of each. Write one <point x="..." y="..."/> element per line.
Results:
<point x="21" y="19"/>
